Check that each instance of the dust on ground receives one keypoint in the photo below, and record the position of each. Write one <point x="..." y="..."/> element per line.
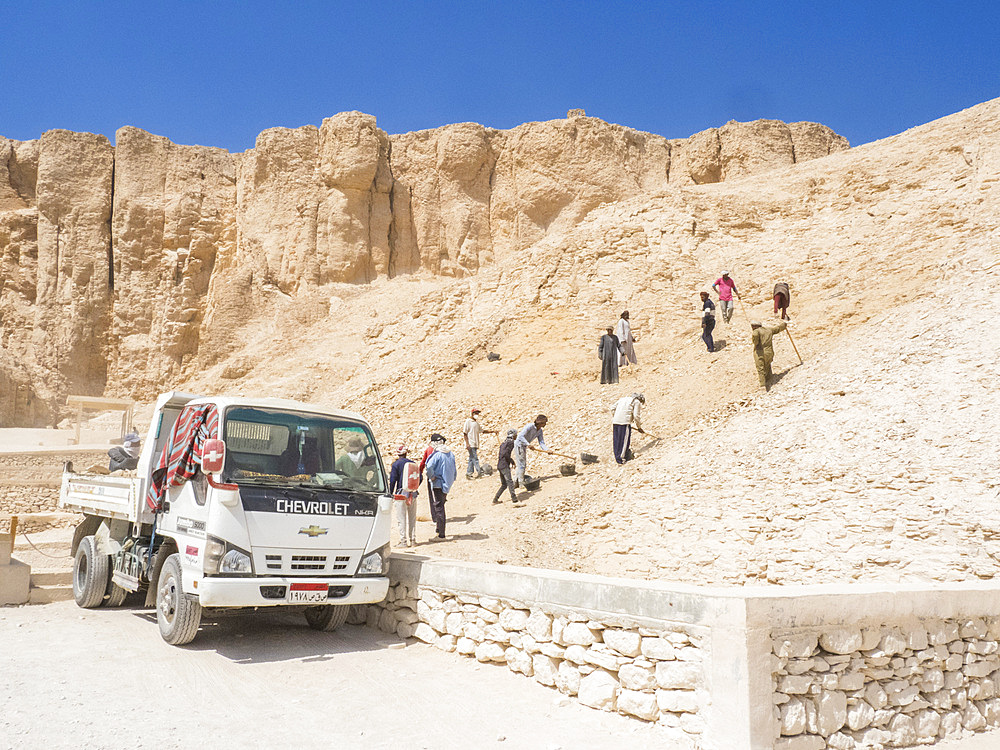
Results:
<point x="103" y="678"/>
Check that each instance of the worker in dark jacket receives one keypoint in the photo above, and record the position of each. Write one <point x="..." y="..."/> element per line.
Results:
<point x="707" y="326"/>
<point x="403" y="499"/>
<point x="125" y="456"/>
<point x="763" y="349"/>
<point x="504" y="464"/>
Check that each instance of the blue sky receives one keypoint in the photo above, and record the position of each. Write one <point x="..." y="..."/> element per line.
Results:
<point x="217" y="73"/>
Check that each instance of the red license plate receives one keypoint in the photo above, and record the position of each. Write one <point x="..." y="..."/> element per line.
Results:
<point x="309" y="587"/>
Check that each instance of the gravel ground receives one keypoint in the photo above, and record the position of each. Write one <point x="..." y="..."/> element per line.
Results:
<point x="103" y="679"/>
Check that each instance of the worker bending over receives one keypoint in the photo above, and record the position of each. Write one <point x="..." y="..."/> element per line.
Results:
<point x="626" y="412"/>
<point x="531" y="431"/>
<point x="763" y="349"/>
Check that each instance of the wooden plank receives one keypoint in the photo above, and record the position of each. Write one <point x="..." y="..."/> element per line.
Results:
<point x="96" y="402"/>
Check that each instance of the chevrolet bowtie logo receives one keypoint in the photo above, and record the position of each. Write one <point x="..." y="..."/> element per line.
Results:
<point x="313" y="530"/>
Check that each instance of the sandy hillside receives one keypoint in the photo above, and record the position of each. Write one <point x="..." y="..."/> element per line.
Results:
<point x="891" y="250"/>
<point x="872" y="460"/>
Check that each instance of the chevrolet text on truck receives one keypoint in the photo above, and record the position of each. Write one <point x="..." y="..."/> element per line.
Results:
<point x="237" y="503"/>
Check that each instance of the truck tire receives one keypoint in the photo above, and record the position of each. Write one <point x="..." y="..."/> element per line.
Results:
<point x="90" y="574"/>
<point x="178" y="614"/>
<point x="116" y="595"/>
<point x="327" y="617"/>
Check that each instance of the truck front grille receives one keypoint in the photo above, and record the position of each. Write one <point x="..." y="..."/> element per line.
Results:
<point x="308" y="562"/>
<point x="288" y="562"/>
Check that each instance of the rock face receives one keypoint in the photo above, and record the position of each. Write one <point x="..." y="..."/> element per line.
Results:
<point x="443" y="186"/>
<point x="18" y="274"/>
<point x="174" y="214"/>
<point x="314" y="206"/>
<point x="125" y="269"/>
<point x="73" y="272"/>
<point x="741" y="149"/>
<point x="550" y="175"/>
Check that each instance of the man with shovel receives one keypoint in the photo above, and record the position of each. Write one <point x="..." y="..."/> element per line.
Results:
<point x="529" y="432"/>
<point x="626" y="411"/>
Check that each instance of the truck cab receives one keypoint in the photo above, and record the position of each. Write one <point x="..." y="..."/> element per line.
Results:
<point x="238" y="503"/>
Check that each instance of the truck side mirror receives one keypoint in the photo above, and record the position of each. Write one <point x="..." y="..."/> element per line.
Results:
<point x="213" y="456"/>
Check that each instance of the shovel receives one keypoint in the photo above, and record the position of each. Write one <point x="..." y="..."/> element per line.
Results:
<point x="585" y="458"/>
<point x="793" y="345"/>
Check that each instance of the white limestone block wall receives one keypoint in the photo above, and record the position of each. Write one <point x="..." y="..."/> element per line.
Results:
<point x="891" y="686"/>
<point x="717" y="668"/>
<point x="653" y="673"/>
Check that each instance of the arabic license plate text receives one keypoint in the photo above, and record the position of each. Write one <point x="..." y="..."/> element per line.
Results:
<point x="307" y="597"/>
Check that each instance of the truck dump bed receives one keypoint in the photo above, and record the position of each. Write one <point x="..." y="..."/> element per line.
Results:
<point x="102" y="495"/>
<point x="123" y="497"/>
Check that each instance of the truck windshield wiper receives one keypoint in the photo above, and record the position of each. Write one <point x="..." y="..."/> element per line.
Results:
<point x="261" y="480"/>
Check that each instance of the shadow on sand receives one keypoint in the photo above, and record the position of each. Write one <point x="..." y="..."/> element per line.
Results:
<point x="273" y="634"/>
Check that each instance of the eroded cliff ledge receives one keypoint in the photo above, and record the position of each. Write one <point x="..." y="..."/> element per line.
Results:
<point x="123" y="267"/>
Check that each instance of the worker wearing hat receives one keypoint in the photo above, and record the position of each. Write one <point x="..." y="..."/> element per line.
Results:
<point x="404" y="499"/>
<point x="626" y="413"/>
<point x="441" y="471"/>
<point x="763" y="349"/>
<point x="126" y="456"/>
<point x="472" y="431"/>
<point x="726" y="288"/>
<point x="504" y="465"/>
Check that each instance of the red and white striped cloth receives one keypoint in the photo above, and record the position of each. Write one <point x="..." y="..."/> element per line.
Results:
<point x="181" y="455"/>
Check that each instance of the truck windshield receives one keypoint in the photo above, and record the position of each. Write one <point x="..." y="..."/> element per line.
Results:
<point x="266" y="446"/>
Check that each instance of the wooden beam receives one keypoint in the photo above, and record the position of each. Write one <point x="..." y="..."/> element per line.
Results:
<point x="95" y="403"/>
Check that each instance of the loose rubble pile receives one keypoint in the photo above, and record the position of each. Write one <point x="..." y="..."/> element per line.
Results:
<point x="891" y="686"/>
<point x="647" y="672"/>
<point x="875" y="461"/>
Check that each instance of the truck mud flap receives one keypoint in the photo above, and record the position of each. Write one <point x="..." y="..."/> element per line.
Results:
<point x="86" y="527"/>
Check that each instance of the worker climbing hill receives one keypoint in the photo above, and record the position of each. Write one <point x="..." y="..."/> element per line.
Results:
<point x="782" y="298"/>
<point x="763" y="349"/>
<point x="726" y="288"/>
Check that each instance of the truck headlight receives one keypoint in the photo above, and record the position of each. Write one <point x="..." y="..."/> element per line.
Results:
<point x="214" y="550"/>
<point x="373" y="564"/>
<point x="235" y="561"/>
<point x="221" y="557"/>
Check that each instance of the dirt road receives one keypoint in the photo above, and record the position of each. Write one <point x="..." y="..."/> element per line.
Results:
<point x="104" y="679"/>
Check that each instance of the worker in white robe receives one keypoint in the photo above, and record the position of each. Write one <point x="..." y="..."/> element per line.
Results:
<point x="624" y="333"/>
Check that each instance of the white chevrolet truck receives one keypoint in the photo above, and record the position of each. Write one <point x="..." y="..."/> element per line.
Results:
<point x="236" y="503"/>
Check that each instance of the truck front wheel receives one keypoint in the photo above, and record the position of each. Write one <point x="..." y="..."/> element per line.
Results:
<point x="178" y="614"/>
<point x="328" y="617"/>
<point x="90" y="574"/>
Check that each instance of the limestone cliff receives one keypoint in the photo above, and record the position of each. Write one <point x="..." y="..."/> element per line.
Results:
<point x="174" y="214"/>
<point x="125" y="269"/>
<point x="73" y="290"/>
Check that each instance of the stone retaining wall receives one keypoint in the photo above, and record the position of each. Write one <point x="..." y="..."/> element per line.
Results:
<point x="653" y="673"/>
<point x="29" y="482"/>
<point x="27" y="498"/>
<point x="756" y="668"/>
<point x="49" y="463"/>
<point x="891" y="686"/>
